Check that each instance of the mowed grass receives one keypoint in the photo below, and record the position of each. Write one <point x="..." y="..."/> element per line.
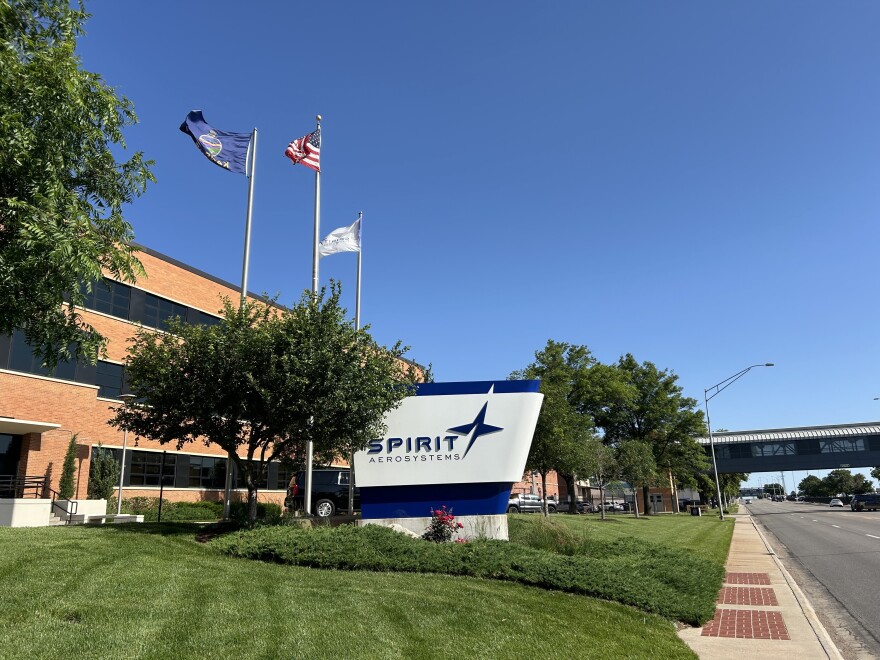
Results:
<point x="652" y="577"/>
<point x="141" y="591"/>
<point x="704" y="536"/>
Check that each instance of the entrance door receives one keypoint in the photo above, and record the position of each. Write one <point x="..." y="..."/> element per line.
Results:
<point x="10" y="453"/>
<point x="656" y="500"/>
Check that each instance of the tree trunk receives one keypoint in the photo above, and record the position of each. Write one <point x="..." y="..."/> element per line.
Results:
<point x="649" y="510"/>
<point x="636" y="500"/>
<point x="544" y="493"/>
<point x="674" y="493"/>
<point x="252" y="504"/>
<point x="602" y="499"/>
<point x="572" y="495"/>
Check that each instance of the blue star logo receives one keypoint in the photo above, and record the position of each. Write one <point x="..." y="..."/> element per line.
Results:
<point x="478" y="427"/>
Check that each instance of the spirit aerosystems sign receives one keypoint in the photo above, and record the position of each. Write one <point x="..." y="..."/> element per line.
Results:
<point x="456" y="444"/>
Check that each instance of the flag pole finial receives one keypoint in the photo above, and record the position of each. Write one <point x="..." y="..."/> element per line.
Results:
<point x="318" y="117"/>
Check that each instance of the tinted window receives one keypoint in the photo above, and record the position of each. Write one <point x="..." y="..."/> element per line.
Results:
<point x="108" y="378"/>
<point x="157" y="310"/>
<point x="109" y="297"/>
<point x="146" y="467"/>
<point x="207" y="472"/>
<point x="22" y="358"/>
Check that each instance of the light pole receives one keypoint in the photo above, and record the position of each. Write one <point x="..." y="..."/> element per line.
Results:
<point x="719" y="388"/>
<point x="126" y="399"/>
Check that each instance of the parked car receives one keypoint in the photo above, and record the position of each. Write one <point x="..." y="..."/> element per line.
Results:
<point x="329" y="492"/>
<point x="836" y="502"/>
<point x="528" y="503"/>
<point x="565" y="507"/>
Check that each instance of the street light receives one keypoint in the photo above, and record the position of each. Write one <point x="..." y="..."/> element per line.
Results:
<point x="719" y="388"/>
<point x="126" y="399"/>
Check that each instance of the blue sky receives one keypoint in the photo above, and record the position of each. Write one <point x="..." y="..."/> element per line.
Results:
<point x="693" y="183"/>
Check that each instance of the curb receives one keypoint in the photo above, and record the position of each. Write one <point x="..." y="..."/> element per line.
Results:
<point x="822" y="635"/>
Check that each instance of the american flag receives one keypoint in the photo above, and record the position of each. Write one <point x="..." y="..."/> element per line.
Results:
<point x="306" y="150"/>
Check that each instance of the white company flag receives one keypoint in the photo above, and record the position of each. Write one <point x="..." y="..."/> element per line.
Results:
<point x="344" y="239"/>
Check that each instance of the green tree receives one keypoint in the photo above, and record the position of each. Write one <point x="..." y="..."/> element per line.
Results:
<point x="838" y="482"/>
<point x="731" y="482"/>
<point x="602" y="468"/>
<point x="67" y="485"/>
<point x="62" y="191"/>
<point x="861" y="484"/>
<point x="632" y="401"/>
<point x="561" y="434"/>
<point x="636" y="465"/>
<point x="774" y="489"/>
<point x="265" y="381"/>
<point x="875" y="472"/>
<point x="103" y="474"/>
<point x="812" y="486"/>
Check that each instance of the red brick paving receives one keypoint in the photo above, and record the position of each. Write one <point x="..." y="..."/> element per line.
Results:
<point x="747" y="578"/>
<point x="747" y="596"/>
<point x="746" y="624"/>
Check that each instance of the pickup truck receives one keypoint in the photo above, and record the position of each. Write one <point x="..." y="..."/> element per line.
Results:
<point x="869" y="501"/>
<point x="526" y="503"/>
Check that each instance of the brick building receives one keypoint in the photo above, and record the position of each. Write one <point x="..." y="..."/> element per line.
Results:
<point x="40" y="411"/>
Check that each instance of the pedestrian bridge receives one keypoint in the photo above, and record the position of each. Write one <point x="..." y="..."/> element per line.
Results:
<point x="801" y="448"/>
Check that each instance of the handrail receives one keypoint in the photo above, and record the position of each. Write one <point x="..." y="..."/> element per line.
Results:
<point x="18" y="487"/>
<point x="72" y="505"/>
<point x="21" y="487"/>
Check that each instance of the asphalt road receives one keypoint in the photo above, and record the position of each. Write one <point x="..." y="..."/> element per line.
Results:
<point x="840" y="549"/>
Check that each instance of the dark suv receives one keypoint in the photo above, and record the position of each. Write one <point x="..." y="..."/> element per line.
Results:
<point x="329" y="492"/>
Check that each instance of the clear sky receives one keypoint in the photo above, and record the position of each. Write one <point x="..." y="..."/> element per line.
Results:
<point x="693" y="183"/>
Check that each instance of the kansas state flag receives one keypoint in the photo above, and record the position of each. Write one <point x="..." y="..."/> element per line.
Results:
<point x="228" y="150"/>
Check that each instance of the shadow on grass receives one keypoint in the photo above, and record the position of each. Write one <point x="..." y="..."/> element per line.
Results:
<point x="177" y="529"/>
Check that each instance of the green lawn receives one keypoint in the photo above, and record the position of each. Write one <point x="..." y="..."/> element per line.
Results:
<point x="705" y="536"/>
<point x="138" y="591"/>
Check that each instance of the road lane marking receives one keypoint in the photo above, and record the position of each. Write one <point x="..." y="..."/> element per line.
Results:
<point x="838" y="526"/>
<point x="872" y="536"/>
<point x="814" y="520"/>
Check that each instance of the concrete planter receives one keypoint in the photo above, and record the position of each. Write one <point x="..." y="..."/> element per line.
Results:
<point x="80" y="508"/>
<point x="24" y="512"/>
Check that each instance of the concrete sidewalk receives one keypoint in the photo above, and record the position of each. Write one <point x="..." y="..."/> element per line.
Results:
<point x="761" y="612"/>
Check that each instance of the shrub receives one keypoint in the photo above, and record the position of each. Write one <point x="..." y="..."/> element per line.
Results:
<point x="67" y="485"/>
<point x="442" y="526"/>
<point x="103" y="474"/>
<point x="649" y="576"/>
<point x="267" y="512"/>
<point x="548" y="535"/>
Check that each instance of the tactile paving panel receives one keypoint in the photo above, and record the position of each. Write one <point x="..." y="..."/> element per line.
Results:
<point x="747" y="578"/>
<point x="761" y="596"/>
<point x="746" y="624"/>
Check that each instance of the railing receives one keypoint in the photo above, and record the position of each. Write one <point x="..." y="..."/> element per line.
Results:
<point x="21" y="487"/>
<point x="37" y="488"/>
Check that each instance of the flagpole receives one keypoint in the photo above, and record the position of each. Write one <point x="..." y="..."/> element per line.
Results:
<point x="357" y="326"/>
<point x="227" y="493"/>
<point x="310" y="446"/>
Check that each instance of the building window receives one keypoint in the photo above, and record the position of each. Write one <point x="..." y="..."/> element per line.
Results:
<point x="198" y="317"/>
<point x="146" y="467"/>
<point x="109" y="379"/>
<point x="285" y="474"/>
<point x="109" y="297"/>
<point x="19" y="356"/>
<point x="760" y="449"/>
<point x="842" y="445"/>
<point x="157" y="311"/>
<point x="207" y="472"/>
